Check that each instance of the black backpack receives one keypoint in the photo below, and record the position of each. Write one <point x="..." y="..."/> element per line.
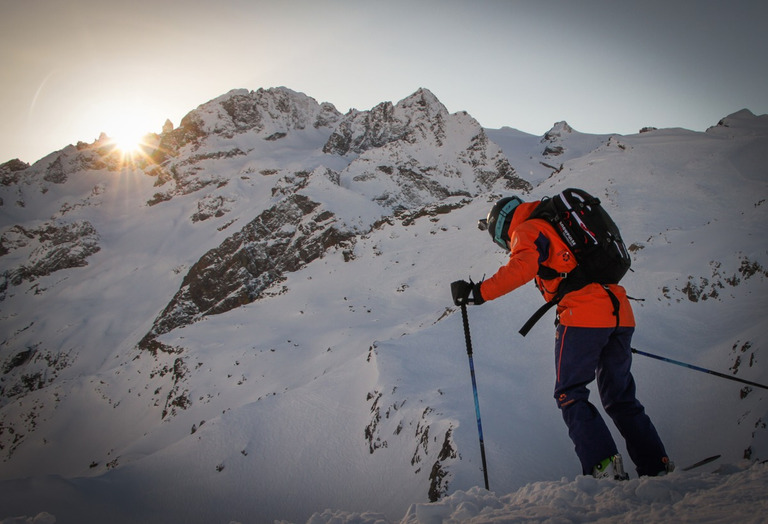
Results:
<point x="593" y="238"/>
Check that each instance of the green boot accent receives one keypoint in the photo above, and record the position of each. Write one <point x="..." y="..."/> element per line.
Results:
<point x="600" y="471"/>
<point x="603" y="469"/>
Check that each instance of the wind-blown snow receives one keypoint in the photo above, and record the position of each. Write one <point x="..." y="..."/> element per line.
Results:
<point x="732" y="495"/>
<point x="336" y="396"/>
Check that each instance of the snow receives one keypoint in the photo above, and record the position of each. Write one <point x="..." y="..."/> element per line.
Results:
<point x="680" y="497"/>
<point x="733" y="493"/>
<point x="329" y="400"/>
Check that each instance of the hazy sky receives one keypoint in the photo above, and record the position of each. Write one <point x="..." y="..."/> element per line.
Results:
<point x="72" y="69"/>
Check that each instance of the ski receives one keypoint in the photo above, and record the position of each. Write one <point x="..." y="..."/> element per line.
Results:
<point x="702" y="462"/>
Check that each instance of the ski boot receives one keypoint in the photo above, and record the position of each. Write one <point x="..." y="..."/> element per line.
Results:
<point x="669" y="467"/>
<point x="603" y="469"/>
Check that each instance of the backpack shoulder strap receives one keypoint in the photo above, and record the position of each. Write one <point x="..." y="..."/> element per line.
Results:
<point x="573" y="281"/>
<point x="537" y="316"/>
<point x="545" y="210"/>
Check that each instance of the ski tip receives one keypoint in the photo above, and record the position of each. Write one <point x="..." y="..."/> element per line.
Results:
<point x="702" y="462"/>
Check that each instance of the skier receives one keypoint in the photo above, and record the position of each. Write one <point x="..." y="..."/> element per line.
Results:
<point x="594" y="330"/>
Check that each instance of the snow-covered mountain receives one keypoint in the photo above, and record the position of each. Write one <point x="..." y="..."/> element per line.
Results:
<point x="252" y="320"/>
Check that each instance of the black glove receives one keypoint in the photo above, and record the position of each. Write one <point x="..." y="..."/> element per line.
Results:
<point x="461" y="289"/>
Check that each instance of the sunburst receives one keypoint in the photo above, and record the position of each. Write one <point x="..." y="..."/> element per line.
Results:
<point x="129" y="141"/>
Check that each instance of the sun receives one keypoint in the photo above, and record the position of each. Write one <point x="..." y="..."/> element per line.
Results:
<point x="127" y="141"/>
<point x="124" y="127"/>
<point x="127" y="137"/>
<point x="130" y="141"/>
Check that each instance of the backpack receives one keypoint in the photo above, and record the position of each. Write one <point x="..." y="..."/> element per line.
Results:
<point x="593" y="238"/>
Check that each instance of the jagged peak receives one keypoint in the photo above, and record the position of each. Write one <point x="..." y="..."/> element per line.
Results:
<point x="423" y="100"/>
<point x="387" y="122"/>
<point x="271" y="112"/>
<point x="558" y="130"/>
<point x="282" y="95"/>
<point x="277" y="103"/>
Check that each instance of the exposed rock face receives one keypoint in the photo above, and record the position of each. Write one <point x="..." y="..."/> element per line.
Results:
<point x="553" y="138"/>
<point x="419" y="118"/>
<point x="51" y="247"/>
<point x="9" y="171"/>
<point x="363" y="130"/>
<point x="386" y="425"/>
<point x="558" y="131"/>
<point x="282" y="239"/>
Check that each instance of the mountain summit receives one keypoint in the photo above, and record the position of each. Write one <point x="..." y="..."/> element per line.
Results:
<point x="402" y="157"/>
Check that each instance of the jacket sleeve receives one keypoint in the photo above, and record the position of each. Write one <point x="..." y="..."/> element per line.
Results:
<point x="522" y="266"/>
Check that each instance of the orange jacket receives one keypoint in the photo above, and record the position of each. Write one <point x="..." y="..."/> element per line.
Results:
<point x="534" y="242"/>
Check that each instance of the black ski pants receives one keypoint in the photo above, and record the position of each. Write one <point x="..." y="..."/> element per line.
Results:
<point x="581" y="355"/>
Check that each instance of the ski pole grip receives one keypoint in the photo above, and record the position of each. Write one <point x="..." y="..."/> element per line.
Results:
<point x="458" y="292"/>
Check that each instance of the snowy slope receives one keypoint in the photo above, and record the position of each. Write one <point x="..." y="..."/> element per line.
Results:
<point x="341" y="379"/>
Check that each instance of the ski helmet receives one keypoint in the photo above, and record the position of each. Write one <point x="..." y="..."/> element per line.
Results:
<point x="499" y="219"/>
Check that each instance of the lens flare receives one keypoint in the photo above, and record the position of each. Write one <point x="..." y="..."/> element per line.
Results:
<point x="131" y="144"/>
<point x="127" y="134"/>
<point x="127" y="141"/>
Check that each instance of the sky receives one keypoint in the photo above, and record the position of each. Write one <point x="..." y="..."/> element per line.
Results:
<point x="72" y="70"/>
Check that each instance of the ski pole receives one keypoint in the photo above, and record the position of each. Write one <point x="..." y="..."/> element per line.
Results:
<point x="465" y="318"/>
<point x="697" y="368"/>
